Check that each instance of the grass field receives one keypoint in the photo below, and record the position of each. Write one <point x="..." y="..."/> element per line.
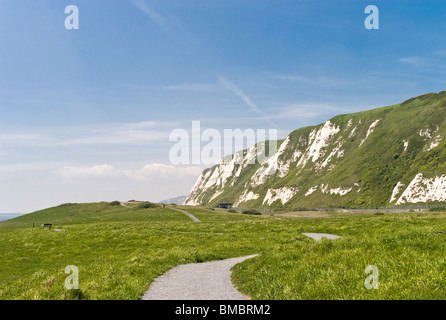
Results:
<point x="120" y="251"/>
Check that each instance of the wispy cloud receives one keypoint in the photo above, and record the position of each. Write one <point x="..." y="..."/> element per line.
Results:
<point x="303" y="111"/>
<point x="124" y="134"/>
<point x="160" y="20"/>
<point x="137" y="133"/>
<point x="196" y="87"/>
<point x="320" y="81"/>
<point x="166" y="22"/>
<point x="103" y="170"/>
<point x="413" y="61"/>
<point x="440" y="52"/>
<point x="148" y="172"/>
<point x="247" y="100"/>
<point x="20" y="138"/>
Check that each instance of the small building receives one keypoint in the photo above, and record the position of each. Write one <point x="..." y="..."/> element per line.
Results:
<point x="225" y="205"/>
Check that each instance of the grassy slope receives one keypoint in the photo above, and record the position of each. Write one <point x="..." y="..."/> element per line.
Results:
<point x="120" y="251"/>
<point x="377" y="165"/>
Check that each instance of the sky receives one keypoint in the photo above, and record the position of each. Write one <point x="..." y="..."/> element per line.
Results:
<point x="86" y="114"/>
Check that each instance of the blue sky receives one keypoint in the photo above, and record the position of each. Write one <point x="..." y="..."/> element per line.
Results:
<point x="85" y="114"/>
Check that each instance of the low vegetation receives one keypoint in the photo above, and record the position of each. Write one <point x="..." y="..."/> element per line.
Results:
<point x="252" y="212"/>
<point x="147" y="205"/>
<point x="120" y="251"/>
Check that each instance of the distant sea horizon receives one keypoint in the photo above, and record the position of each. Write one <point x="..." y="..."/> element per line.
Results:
<point x="7" y="216"/>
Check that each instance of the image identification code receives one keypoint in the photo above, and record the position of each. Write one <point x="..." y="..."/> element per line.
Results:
<point x="224" y="309"/>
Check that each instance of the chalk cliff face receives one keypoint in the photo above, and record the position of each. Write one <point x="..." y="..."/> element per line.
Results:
<point x="394" y="155"/>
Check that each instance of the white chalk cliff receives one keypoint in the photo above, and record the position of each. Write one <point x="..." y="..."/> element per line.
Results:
<point x="387" y="156"/>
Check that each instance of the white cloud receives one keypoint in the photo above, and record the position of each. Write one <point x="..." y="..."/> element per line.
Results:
<point x="103" y="170"/>
<point x="163" y="170"/>
<point x="150" y="171"/>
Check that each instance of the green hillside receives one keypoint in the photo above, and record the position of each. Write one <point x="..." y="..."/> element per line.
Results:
<point x="352" y="160"/>
<point x="120" y="251"/>
<point x="72" y="214"/>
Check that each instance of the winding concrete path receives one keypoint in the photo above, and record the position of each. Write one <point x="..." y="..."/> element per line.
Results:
<point x="197" y="281"/>
<point x="319" y="236"/>
<point x="123" y="205"/>
<point x="188" y="214"/>
<point x="182" y="211"/>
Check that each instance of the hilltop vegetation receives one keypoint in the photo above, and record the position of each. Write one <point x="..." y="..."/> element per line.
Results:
<point x="120" y="251"/>
<point x="388" y="156"/>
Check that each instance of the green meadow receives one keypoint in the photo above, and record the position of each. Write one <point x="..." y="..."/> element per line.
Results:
<point x="120" y="251"/>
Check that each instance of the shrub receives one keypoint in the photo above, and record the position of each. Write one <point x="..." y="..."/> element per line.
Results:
<point x="67" y="204"/>
<point x="437" y="209"/>
<point x="115" y="203"/>
<point x="252" y="212"/>
<point x="232" y="211"/>
<point x="147" y="205"/>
